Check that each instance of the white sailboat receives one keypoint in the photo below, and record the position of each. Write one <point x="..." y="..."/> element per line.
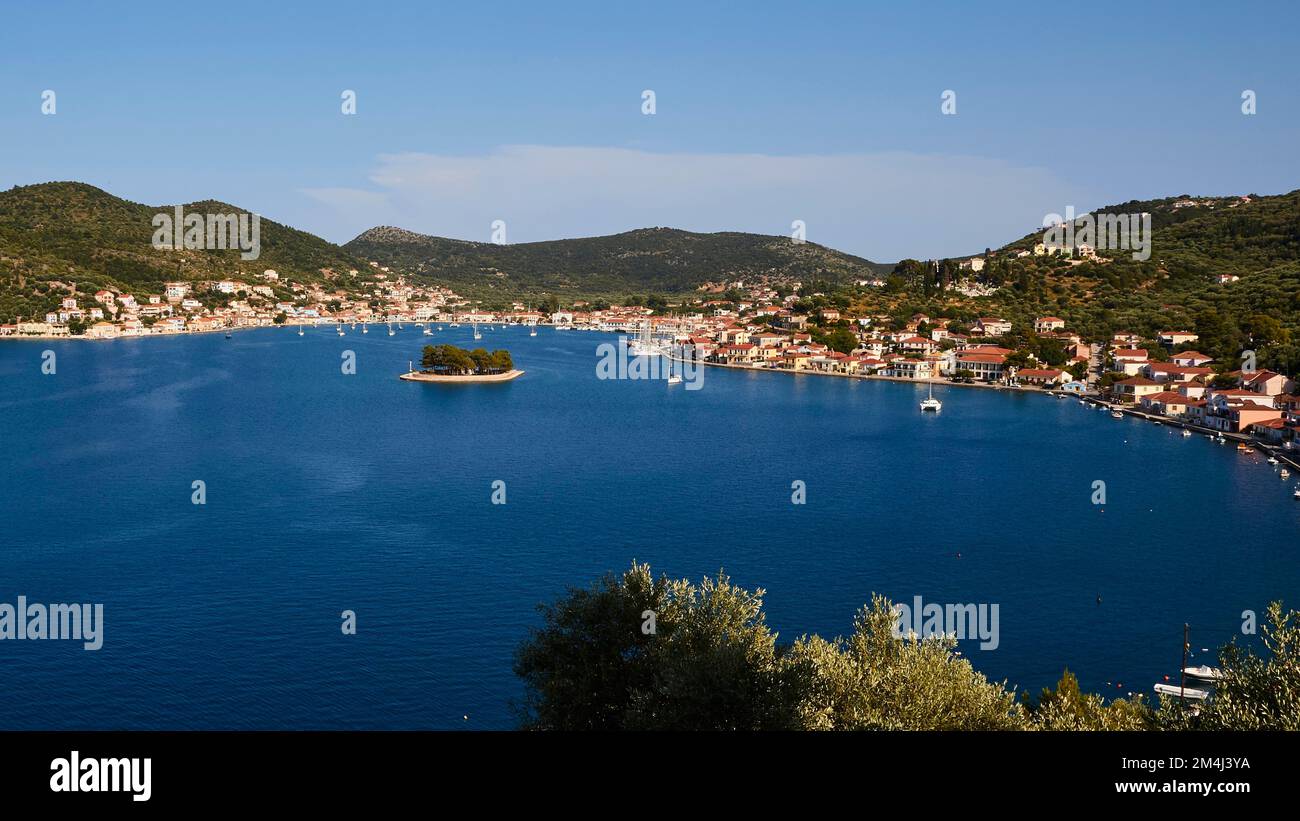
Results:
<point x="300" y="330"/>
<point x="365" y="329"/>
<point x="931" y="404"/>
<point x="391" y="332"/>
<point x="477" y="334"/>
<point x="644" y="345"/>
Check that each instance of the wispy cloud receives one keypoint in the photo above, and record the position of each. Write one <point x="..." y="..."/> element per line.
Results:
<point x="884" y="206"/>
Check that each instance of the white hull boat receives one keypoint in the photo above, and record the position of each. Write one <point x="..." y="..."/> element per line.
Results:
<point x="1204" y="672"/>
<point x="1185" y="692"/>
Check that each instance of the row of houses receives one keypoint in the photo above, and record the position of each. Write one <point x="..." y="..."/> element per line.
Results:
<point x="1261" y="403"/>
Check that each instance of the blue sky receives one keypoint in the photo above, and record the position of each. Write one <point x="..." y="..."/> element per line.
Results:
<point x="766" y="113"/>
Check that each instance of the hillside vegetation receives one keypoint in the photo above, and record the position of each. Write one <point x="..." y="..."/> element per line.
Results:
<point x="648" y="260"/>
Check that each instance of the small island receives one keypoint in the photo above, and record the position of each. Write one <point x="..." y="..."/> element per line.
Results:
<point x="449" y="364"/>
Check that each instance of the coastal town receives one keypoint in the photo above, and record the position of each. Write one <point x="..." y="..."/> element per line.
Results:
<point x="1168" y="379"/>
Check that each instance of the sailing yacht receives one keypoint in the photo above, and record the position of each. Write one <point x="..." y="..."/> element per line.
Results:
<point x="300" y="331"/>
<point x="365" y="329"/>
<point x="428" y="331"/>
<point x="932" y="404"/>
<point x="391" y="332"/>
<point x="477" y="333"/>
<point x="532" y="329"/>
<point x="644" y="345"/>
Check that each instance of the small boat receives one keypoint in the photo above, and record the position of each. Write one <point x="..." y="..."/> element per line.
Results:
<point x="428" y="332"/>
<point x="454" y="325"/>
<point x="1295" y="494"/>
<point x="300" y="331"/>
<point x="227" y="334"/>
<point x="1116" y="415"/>
<point x="1242" y="447"/>
<point x="1186" y="432"/>
<point x="477" y="334"/>
<point x="1205" y="672"/>
<point x="931" y="404"/>
<point x="1285" y="474"/>
<point x="674" y="379"/>
<point x="341" y="332"/>
<point x="1272" y="460"/>
<point x="532" y="330"/>
<point x="365" y="329"/>
<point x="1186" y="692"/>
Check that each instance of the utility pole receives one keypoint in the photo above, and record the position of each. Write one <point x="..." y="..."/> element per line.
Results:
<point x="1182" y="681"/>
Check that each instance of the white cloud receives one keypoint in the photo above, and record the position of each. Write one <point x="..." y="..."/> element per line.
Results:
<point x="884" y="206"/>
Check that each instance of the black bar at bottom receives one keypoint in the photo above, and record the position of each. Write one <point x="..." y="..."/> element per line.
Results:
<point x="209" y="770"/>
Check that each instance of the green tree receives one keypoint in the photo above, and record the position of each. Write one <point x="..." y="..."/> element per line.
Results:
<point x="710" y="663"/>
<point x="876" y="680"/>
<point x="1065" y="708"/>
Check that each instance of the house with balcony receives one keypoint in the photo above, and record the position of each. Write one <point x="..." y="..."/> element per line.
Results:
<point x="986" y="367"/>
<point x="1131" y="390"/>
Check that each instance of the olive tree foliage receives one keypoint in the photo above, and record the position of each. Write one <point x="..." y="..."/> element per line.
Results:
<point x="878" y="680"/>
<point x="636" y="652"/>
<point x="1256" y="692"/>
<point x="710" y="662"/>
<point x="581" y="668"/>
<point x="713" y="663"/>
<point x="1066" y="708"/>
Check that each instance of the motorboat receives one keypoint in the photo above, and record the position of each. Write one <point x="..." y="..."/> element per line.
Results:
<point x="1116" y="415"/>
<point x="1204" y="672"/>
<point x="1184" y="692"/>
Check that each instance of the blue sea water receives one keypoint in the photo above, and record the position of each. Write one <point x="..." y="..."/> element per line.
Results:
<point x="329" y="492"/>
